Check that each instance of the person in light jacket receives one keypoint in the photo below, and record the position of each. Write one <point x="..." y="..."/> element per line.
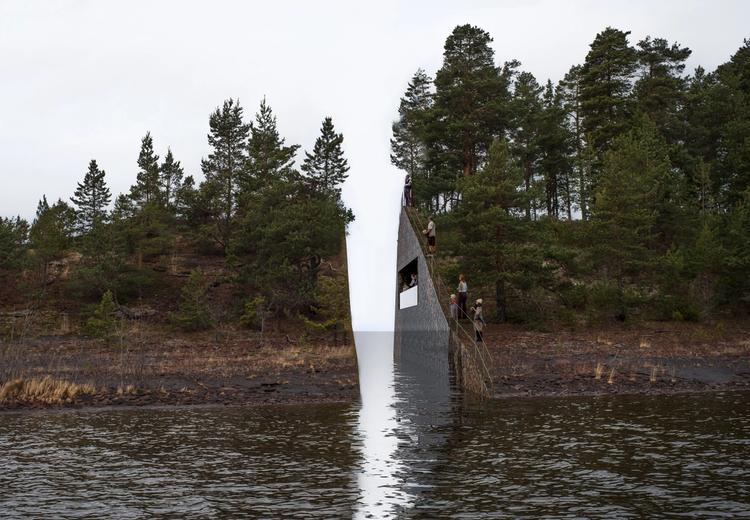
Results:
<point x="430" y="234"/>
<point x="462" y="296"/>
<point x="479" y="322"/>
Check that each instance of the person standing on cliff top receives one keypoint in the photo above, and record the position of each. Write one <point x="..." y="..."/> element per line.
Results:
<point x="430" y="232"/>
<point x="407" y="191"/>
<point x="462" y="290"/>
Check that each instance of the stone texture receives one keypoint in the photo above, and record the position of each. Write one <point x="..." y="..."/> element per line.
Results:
<point x="422" y="333"/>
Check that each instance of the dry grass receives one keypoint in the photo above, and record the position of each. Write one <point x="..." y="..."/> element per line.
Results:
<point x="45" y="390"/>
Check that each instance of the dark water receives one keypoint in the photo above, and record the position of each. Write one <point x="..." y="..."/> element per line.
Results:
<point x="411" y="449"/>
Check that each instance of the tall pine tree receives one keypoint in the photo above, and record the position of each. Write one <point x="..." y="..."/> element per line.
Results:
<point x="660" y="91"/>
<point x="170" y="180"/>
<point x="91" y="198"/>
<point x="527" y="112"/>
<point x="326" y="167"/>
<point x="555" y="148"/>
<point x="468" y="111"/>
<point x="492" y="235"/>
<point x="569" y="89"/>
<point x="606" y="84"/>
<point x="268" y="158"/>
<point x="408" y="150"/>
<point x="146" y="190"/>
<point x="224" y="167"/>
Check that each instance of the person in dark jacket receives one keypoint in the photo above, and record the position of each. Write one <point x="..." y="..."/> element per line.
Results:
<point x="407" y="191"/>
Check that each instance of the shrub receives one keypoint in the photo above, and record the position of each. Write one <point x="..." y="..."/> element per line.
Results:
<point x="667" y="307"/>
<point x="573" y="296"/>
<point x="102" y="324"/>
<point x="193" y="313"/>
<point x="253" y="313"/>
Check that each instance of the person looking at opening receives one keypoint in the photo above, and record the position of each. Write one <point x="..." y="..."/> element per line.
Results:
<point x="414" y="280"/>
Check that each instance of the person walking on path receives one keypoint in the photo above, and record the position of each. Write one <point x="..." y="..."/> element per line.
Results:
<point x="462" y="290"/>
<point x="430" y="232"/>
<point x="454" y="307"/>
<point x="478" y="320"/>
<point x="407" y="191"/>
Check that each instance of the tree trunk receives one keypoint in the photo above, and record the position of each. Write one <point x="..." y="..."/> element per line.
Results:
<point x="500" y="303"/>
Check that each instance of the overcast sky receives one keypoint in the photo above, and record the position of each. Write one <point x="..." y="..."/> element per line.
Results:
<point x="87" y="79"/>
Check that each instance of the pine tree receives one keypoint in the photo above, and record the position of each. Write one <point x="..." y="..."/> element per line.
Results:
<point x="631" y="203"/>
<point x="660" y="91"/>
<point x="103" y="323"/>
<point x="283" y="239"/>
<point x="147" y="187"/>
<point x="268" y="158"/>
<point x="731" y="170"/>
<point x="194" y="313"/>
<point x="224" y="167"/>
<point x="493" y="239"/>
<point x="468" y="111"/>
<point x="570" y="94"/>
<point x="527" y="113"/>
<point x="91" y="198"/>
<point x="326" y="167"/>
<point x="408" y="149"/>
<point x="14" y="234"/>
<point x="555" y="148"/>
<point x="605" y="88"/>
<point x="51" y="231"/>
<point x="170" y="180"/>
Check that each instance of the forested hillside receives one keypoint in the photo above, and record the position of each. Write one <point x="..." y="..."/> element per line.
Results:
<point x="257" y="239"/>
<point x="621" y="192"/>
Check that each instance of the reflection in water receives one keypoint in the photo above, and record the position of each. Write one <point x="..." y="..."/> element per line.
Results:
<point x="378" y="427"/>
<point x="412" y="449"/>
<point x="406" y="419"/>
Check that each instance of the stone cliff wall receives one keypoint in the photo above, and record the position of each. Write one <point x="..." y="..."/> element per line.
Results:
<point x="422" y="333"/>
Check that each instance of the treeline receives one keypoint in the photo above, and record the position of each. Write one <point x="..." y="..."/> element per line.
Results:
<point x="271" y="225"/>
<point x="621" y="191"/>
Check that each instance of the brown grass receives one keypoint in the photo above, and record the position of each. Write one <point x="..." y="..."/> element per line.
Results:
<point x="45" y="390"/>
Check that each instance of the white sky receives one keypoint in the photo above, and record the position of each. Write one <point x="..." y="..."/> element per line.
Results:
<point x="87" y="79"/>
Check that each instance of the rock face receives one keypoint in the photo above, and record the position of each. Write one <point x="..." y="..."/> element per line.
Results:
<point x="135" y="313"/>
<point x="422" y="333"/>
<point x="60" y="269"/>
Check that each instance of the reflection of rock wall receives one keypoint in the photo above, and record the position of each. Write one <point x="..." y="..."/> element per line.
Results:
<point x="421" y="332"/>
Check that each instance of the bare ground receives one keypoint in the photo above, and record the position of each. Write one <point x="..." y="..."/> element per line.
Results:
<point x="155" y="366"/>
<point x="650" y="358"/>
<point x="159" y="367"/>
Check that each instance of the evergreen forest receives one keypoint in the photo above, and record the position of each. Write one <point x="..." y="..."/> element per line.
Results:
<point x="619" y="193"/>
<point x="257" y="238"/>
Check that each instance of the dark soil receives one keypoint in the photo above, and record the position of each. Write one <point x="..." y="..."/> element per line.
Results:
<point x="650" y="358"/>
<point x="154" y="369"/>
